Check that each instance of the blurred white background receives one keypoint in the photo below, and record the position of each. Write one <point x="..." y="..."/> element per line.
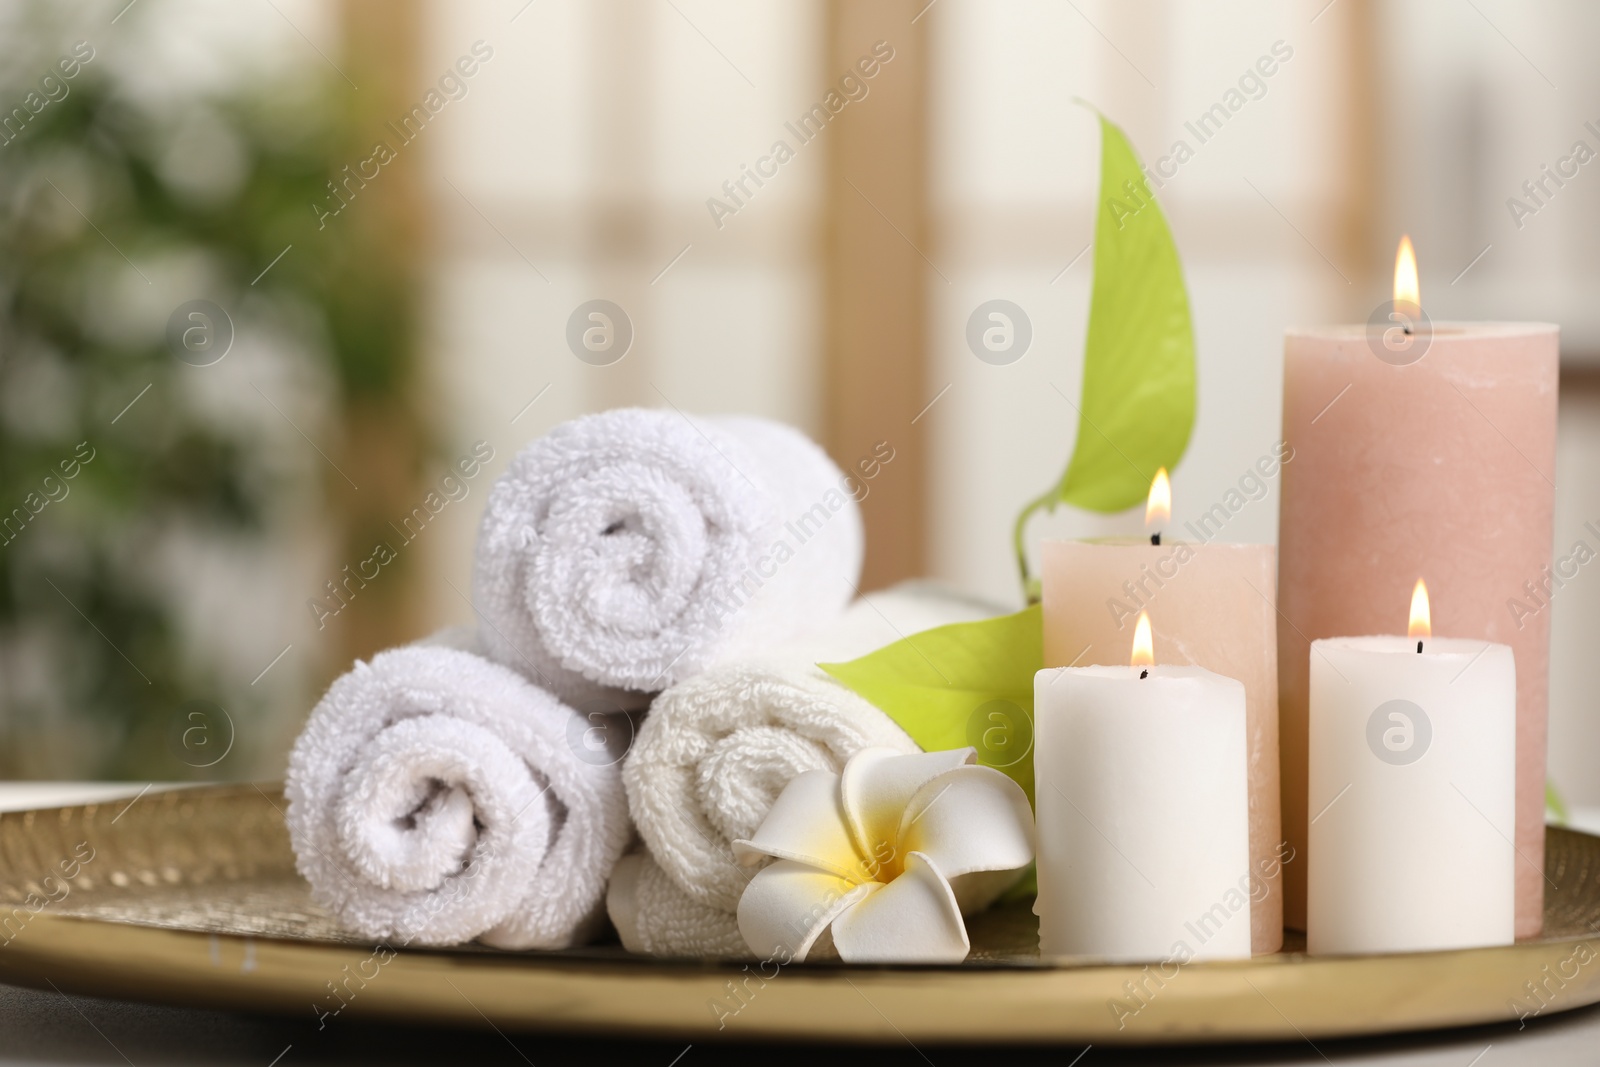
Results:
<point x="580" y="160"/>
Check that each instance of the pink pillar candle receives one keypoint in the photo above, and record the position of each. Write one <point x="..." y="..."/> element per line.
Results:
<point x="1441" y="468"/>
<point x="1210" y="606"/>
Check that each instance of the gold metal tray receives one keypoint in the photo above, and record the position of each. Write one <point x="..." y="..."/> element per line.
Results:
<point x="191" y="898"/>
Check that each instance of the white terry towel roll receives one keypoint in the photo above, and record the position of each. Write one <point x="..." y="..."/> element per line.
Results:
<point x="655" y="917"/>
<point x="628" y="550"/>
<point x="436" y="797"/>
<point x="716" y="750"/>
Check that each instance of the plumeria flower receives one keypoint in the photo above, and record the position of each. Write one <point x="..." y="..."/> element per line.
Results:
<point x="882" y="857"/>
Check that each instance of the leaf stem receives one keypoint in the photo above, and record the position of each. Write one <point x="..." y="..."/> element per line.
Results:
<point x="1031" y="588"/>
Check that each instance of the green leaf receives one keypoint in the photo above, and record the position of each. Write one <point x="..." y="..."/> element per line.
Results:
<point x="1138" y="361"/>
<point x="1138" y="402"/>
<point x="968" y="683"/>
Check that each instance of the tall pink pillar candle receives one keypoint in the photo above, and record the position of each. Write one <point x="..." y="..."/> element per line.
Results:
<point x="1441" y="468"/>
<point x="1210" y="605"/>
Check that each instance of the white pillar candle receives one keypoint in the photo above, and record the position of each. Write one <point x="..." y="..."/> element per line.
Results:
<point x="1142" y="804"/>
<point x="1412" y="795"/>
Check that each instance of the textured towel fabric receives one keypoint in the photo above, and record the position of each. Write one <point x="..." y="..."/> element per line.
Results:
<point x="436" y="797"/>
<point x="625" y="551"/>
<point x="715" y="752"/>
<point x="655" y="917"/>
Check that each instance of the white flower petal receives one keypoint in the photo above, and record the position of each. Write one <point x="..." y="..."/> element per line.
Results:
<point x="970" y="819"/>
<point x="876" y="786"/>
<point x="806" y="824"/>
<point x="913" y="919"/>
<point x="787" y="904"/>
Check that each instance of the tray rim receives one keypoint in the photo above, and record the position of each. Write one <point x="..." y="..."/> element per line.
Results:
<point x="576" y="995"/>
<point x="1285" y="996"/>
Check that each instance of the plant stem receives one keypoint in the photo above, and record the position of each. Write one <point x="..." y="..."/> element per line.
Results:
<point x="1030" y="585"/>
<point x="1553" y="802"/>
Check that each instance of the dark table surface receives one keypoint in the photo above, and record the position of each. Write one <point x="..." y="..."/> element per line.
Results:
<point x="48" y="1027"/>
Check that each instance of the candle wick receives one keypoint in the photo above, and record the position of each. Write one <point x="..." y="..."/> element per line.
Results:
<point x="1144" y="674"/>
<point x="1419" y="648"/>
<point x="1406" y="328"/>
<point x="1155" y="538"/>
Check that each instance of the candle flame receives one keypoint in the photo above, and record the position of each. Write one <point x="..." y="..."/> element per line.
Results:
<point x="1421" y="616"/>
<point x="1144" y="654"/>
<point x="1407" y="291"/>
<point x="1158" y="506"/>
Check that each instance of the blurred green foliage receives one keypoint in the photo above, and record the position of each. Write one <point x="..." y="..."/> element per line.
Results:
<point x="101" y="190"/>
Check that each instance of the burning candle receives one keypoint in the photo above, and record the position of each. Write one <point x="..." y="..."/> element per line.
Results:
<point x="1213" y="607"/>
<point x="1142" y="807"/>
<point x="1419" y="448"/>
<point x="1158" y="505"/>
<point x="1413" y="779"/>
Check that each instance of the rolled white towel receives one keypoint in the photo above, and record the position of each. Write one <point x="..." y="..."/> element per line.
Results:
<point x="716" y="750"/>
<point x="625" y="551"/>
<point x="655" y="917"/>
<point x="437" y="797"/>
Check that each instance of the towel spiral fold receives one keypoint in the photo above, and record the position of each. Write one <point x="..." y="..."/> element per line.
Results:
<point x="717" y="750"/>
<point x="628" y="550"/>
<point x="436" y="797"/>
